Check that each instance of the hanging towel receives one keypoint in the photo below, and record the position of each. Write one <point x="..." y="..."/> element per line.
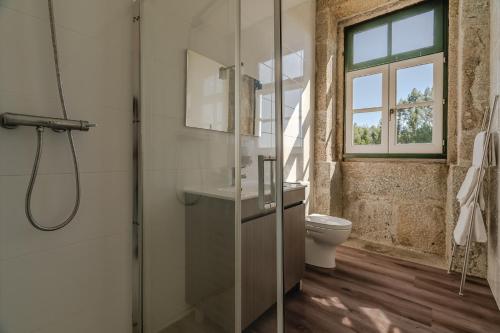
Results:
<point x="465" y="195"/>
<point x="466" y="192"/>
<point x="248" y="87"/>
<point x="477" y="154"/>
<point x="464" y="221"/>
<point x="467" y="189"/>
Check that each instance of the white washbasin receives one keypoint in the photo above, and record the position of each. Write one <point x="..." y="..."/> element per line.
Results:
<point x="249" y="190"/>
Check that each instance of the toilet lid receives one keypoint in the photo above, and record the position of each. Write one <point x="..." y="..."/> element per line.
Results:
<point x="328" y="222"/>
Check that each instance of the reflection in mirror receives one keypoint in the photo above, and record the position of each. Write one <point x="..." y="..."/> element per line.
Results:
<point x="210" y="96"/>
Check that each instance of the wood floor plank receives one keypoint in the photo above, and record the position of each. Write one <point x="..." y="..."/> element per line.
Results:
<point x="438" y="299"/>
<point x="375" y="299"/>
<point x="369" y="293"/>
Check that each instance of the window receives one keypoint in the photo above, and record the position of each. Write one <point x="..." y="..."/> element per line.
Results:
<point x="394" y="83"/>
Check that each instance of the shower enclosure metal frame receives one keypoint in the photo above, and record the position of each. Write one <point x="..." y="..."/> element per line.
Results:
<point x="278" y="107"/>
<point x="137" y="222"/>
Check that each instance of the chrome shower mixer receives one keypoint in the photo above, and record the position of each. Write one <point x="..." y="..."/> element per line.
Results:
<point x="14" y="120"/>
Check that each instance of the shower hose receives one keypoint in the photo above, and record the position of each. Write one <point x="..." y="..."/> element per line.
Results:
<point x="40" y="130"/>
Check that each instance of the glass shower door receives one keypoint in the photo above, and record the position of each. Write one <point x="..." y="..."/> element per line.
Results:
<point x="277" y="158"/>
<point x="188" y="165"/>
<point x="259" y="168"/>
<point x="212" y="166"/>
<point x="298" y="44"/>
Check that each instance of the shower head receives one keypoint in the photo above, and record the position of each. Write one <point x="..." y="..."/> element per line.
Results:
<point x="13" y="120"/>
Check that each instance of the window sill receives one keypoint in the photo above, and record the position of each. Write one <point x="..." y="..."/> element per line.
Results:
<point x="386" y="158"/>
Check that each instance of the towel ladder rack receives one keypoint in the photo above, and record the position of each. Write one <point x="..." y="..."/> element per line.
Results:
<point x="485" y="125"/>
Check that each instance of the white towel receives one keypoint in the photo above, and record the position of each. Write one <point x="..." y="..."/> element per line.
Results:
<point x="464" y="220"/>
<point x="466" y="192"/>
<point x="477" y="154"/>
<point x="467" y="188"/>
<point x="465" y="195"/>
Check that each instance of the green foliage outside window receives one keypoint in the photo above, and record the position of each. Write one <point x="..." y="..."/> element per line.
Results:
<point x="368" y="135"/>
<point x="414" y="124"/>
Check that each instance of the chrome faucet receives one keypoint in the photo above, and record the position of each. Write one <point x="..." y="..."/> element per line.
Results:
<point x="233" y="176"/>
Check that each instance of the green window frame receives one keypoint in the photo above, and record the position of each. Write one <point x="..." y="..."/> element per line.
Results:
<point x="440" y="8"/>
<point x="439" y="35"/>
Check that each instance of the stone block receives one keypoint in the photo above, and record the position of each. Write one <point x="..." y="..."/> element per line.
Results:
<point x="371" y="219"/>
<point x="401" y="181"/>
<point x="421" y="227"/>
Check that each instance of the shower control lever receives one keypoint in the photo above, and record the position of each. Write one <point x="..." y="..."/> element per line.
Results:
<point x="13" y="120"/>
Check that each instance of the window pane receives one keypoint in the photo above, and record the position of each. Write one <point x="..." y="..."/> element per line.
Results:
<point x="367" y="92"/>
<point x="415" y="84"/>
<point x="414" y="125"/>
<point x="370" y="44"/>
<point x="367" y="128"/>
<point x="293" y="65"/>
<point x="413" y="33"/>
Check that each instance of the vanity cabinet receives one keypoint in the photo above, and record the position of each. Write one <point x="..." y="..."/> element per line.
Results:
<point x="258" y="267"/>
<point x="258" y="260"/>
<point x="210" y="255"/>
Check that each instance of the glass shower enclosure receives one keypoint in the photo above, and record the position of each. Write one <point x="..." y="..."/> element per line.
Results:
<point x="213" y="158"/>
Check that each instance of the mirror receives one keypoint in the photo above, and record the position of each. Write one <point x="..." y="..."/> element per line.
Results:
<point x="210" y="96"/>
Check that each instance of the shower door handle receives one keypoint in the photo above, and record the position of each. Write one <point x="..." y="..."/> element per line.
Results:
<point x="263" y="204"/>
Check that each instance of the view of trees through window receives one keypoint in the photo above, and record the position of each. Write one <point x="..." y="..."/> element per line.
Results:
<point x="414" y="123"/>
<point x="365" y="134"/>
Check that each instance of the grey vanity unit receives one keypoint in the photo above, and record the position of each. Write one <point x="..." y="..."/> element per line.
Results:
<point x="210" y="251"/>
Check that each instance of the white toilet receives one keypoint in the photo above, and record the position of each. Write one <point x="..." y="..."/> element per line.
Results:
<point x="323" y="234"/>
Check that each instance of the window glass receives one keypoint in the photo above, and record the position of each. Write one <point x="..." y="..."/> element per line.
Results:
<point x="415" y="84"/>
<point x="266" y="114"/>
<point x="370" y="44"/>
<point x="266" y="72"/>
<point x="414" y="125"/>
<point x="367" y="92"/>
<point x="293" y="65"/>
<point x="413" y="33"/>
<point x="367" y="128"/>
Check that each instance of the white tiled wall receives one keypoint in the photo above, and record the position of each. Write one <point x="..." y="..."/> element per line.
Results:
<point x="494" y="231"/>
<point x="77" y="279"/>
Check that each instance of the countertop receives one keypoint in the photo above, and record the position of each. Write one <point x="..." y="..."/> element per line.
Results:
<point x="249" y="190"/>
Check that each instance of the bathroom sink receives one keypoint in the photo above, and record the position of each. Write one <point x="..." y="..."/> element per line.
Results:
<point x="249" y="190"/>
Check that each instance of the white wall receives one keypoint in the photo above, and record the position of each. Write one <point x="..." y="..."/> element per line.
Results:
<point x="176" y="157"/>
<point x="77" y="279"/>
<point x="494" y="232"/>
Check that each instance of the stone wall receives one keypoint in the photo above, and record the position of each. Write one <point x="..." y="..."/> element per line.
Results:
<point x="402" y="203"/>
<point x="378" y="201"/>
<point x="470" y="94"/>
<point x="493" y="230"/>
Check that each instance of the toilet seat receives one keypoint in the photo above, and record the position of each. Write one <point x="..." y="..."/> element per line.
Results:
<point x="327" y="222"/>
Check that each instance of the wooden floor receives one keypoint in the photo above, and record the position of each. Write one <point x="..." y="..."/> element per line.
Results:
<point x="373" y="293"/>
